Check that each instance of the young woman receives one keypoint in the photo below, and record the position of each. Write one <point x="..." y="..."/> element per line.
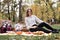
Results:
<point x="31" y="23"/>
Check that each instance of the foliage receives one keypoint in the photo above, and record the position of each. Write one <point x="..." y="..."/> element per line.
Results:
<point x="43" y="9"/>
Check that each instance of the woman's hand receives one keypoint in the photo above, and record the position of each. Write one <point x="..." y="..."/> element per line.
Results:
<point x="31" y="27"/>
<point x="34" y="27"/>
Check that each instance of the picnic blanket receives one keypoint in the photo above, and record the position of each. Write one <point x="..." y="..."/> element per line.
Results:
<point x="26" y="34"/>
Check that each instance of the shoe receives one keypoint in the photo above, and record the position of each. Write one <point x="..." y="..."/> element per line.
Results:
<point x="55" y="31"/>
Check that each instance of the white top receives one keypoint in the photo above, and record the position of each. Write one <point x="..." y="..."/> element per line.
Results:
<point x="18" y="26"/>
<point x="31" y="20"/>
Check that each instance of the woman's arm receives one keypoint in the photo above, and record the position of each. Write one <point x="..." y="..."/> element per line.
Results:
<point x="38" y="20"/>
<point x="27" y="25"/>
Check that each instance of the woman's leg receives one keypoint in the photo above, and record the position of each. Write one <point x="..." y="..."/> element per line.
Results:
<point x="45" y="25"/>
<point x="39" y="29"/>
<point x="32" y="29"/>
<point x="44" y="30"/>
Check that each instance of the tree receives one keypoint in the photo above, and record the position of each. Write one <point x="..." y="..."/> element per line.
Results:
<point x="0" y="6"/>
<point x="20" y="14"/>
<point x="13" y="10"/>
<point x="8" y="3"/>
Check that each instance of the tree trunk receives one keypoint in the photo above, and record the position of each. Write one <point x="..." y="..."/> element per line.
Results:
<point x="8" y="12"/>
<point x="20" y="14"/>
<point x="0" y="6"/>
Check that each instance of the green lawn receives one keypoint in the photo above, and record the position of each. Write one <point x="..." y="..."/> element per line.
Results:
<point x="55" y="36"/>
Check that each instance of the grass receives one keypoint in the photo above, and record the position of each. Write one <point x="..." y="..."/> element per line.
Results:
<point x="20" y="37"/>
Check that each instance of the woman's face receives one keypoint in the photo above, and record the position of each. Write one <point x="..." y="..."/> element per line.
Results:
<point x="29" y="12"/>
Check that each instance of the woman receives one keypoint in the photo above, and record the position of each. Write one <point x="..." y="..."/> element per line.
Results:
<point x="31" y="23"/>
